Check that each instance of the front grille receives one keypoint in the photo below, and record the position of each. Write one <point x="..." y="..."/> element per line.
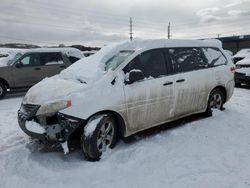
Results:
<point x="242" y="66"/>
<point x="29" y="109"/>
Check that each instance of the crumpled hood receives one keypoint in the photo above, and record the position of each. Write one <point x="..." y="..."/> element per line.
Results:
<point x="52" y="89"/>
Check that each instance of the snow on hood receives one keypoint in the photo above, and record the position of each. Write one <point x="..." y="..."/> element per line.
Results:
<point x="243" y="53"/>
<point x="50" y="90"/>
<point x="245" y="61"/>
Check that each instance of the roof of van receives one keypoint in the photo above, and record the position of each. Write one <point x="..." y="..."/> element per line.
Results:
<point x="171" y="43"/>
<point x="94" y="65"/>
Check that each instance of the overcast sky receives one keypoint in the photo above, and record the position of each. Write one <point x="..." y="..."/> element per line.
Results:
<point x="100" y="22"/>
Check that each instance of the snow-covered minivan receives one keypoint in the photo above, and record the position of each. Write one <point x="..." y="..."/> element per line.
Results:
<point x="126" y="88"/>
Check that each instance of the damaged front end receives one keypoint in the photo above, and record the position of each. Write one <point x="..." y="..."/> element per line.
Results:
<point x="47" y="127"/>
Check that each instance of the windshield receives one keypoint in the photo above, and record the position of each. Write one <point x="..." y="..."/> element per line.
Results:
<point x="13" y="60"/>
<point x="116" y="60"/>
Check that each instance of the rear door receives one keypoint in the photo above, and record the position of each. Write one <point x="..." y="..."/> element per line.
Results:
<point x="29" y="72"/>
<point x="192" y="80"/>
<point x="53" y="63"/>
<point x="150" y="100"/>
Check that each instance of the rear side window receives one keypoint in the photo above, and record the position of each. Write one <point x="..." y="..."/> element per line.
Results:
<point x="214" y="57"/>
<point x="51" y="58"/>
<point x="151" y="63"/>
<point x="186" y="59"/>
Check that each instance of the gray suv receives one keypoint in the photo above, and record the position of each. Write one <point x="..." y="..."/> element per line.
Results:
<point x="28" y="68"/>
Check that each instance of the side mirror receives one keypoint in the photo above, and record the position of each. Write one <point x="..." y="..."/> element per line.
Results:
<point x="134" y="75"/>
<point x="18" y="64"/>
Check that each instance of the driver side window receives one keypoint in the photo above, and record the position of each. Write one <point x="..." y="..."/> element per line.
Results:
<point x="31" y="60"/>
<point x="151" y="63"/>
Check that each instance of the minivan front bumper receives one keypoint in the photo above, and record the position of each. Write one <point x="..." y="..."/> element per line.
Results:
<point x="58" y="131"/>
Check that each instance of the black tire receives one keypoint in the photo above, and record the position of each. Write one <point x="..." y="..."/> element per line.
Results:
<point x="95" y="143"/>
<point x="237" y="84"/>
<point x="216" y="101"/>
<point x="3" y="90"/>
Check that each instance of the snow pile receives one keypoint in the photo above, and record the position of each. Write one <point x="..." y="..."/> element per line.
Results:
<point x="34" y="127"/>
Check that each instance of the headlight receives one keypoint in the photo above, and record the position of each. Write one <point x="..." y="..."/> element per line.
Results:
<point x="53" y="107"/>
<point x="238" y="66"/>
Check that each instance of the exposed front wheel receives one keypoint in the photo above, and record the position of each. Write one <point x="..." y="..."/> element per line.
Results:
<point x="3" y="90"/>
<point x="215" y="101"/>
<point x="99" y="134"/>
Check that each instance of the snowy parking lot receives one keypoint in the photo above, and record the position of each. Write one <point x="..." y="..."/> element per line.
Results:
<point x="197" y="152"/>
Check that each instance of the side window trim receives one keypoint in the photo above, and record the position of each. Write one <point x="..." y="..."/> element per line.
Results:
<point x="171" y="61"/>
<point x="47" y="54"/>
<point x="217" y="49"/>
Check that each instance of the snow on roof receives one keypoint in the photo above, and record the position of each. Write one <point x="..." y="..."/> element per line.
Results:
<point x="89" y="67"/>
<point x="65" y="50"/>
<point x="10" y="53"/>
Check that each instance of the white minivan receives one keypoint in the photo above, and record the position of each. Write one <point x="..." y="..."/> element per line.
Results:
<point x="126" y="88"/>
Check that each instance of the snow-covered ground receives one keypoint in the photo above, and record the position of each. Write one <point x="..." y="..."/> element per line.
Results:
<point x="211" y="152"/>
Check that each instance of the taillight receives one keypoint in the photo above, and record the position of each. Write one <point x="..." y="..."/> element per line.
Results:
<point x="232" y="69"/>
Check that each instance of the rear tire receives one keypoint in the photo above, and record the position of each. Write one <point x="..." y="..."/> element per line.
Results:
<point x="216" y="101"/>
<point x="3" y="90"/>
<point x="99" y="134"/>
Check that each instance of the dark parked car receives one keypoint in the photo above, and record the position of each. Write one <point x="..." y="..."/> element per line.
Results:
<point x="31" y="66"/>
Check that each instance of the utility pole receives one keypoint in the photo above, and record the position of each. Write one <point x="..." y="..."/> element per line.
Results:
<point x="218" y="35"/>
<point x="131" y="29"/>
<point x="169" y="30"/>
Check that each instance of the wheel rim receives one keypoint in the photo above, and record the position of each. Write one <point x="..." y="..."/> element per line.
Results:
<point x="216" y="101"/>
<point x="105" y="136"/>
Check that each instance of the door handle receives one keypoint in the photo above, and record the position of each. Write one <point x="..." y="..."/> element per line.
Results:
<point x="168" y="83"/>
<point x="37" y="68"/>
<point x="63" y="66"/>
<point x="180" y="80"/>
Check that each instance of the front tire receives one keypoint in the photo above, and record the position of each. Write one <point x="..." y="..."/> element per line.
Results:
<point x="3" y="90"/>
<point x="215" y="101"/>
<point x="99" y="134"/>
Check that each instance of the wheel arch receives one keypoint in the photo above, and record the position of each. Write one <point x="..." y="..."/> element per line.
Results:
<point x="223" y="90"/>
<point x="118" y="118"/>
<point x="4" y="82"/>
